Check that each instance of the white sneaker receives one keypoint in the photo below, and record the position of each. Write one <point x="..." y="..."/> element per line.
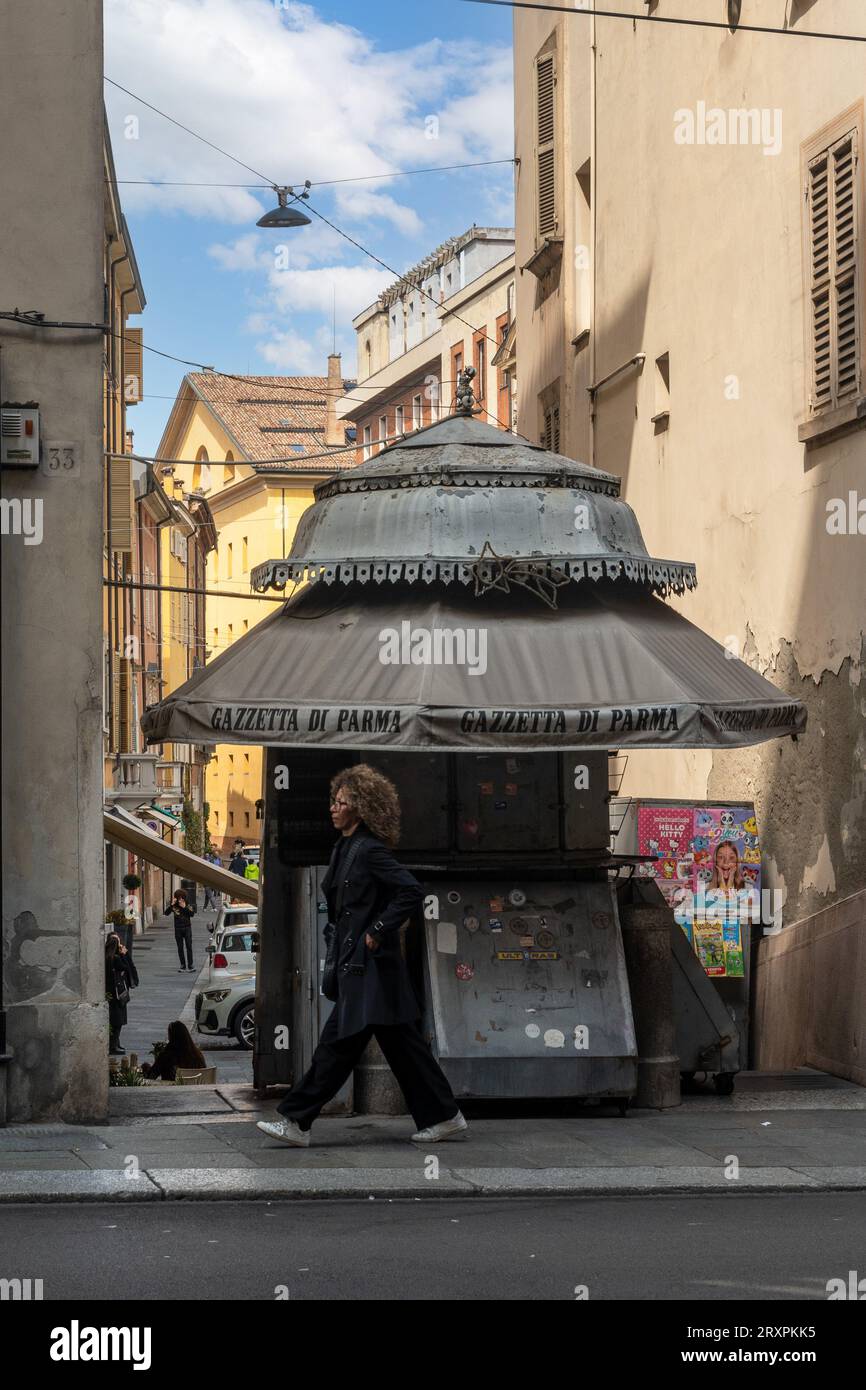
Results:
<point x="455" y="1128"/>
<point x="287" y="1131"/>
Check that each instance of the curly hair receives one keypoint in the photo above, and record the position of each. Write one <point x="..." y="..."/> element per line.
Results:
<point x="374" y="798"/>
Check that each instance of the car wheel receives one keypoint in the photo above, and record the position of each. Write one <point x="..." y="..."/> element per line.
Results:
<point x="244" y="1025"/>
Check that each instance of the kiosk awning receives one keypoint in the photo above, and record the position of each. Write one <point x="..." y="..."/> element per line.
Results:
<point x="612" y="666"/>
<point x="124" y="830"/>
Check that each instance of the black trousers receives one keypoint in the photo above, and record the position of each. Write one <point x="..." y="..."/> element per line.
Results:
<point x="183" y="937"/>
<point x="419" y="1076"/>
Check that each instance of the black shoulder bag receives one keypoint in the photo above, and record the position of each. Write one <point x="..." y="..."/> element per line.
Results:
<point x="332" y="943"/>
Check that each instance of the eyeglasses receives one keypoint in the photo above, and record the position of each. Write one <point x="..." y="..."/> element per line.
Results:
<point x="340" y="803"/>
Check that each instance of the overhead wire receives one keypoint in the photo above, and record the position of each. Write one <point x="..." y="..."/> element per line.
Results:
<point x="732" y="28"/>
<point x="273" y="184"/>
<point x="320" y="183"/>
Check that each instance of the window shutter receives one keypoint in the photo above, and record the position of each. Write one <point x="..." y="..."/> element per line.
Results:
<point x="834" y="272"/>
<point x="133" y="362"/>
<point x="546" y="144"/>
<point x="844" y="156"/>
<point x="551" y="429"/>
<point x="120" y="503"/>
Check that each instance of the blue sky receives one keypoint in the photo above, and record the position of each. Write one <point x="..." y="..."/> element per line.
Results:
<point x="322" y="91"/>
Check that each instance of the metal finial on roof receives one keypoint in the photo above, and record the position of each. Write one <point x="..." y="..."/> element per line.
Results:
<point x="464" y="400"/>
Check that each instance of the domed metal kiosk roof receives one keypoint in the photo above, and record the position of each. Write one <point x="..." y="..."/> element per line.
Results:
<point x="389" y="648"/>
<point x="462" y="502"/>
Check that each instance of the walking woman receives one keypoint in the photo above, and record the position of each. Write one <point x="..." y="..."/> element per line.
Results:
<point x="121" y="976"/>
<point x="370" y="895"/>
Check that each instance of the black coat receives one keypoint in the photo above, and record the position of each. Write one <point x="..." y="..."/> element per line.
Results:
<point x="182" y="915"/>
<point x="378" y="896"/>
<point x="119" y="969"/>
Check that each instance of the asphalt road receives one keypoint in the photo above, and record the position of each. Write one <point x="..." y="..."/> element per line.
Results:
<point x="712" y="1249"/>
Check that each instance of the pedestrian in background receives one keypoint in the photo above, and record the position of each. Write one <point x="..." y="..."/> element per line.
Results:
<point x="121" y="976"/>
<point x="238" y="863"/>
<point x="212" y="896"/>
<point x="179" y="1051"/>
<point x="183" y="914"/>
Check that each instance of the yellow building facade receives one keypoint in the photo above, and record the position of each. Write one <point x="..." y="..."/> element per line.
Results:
<point x="254" y="448"/>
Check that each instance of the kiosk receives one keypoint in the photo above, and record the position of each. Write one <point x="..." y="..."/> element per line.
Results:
<point x="480" y="619"/>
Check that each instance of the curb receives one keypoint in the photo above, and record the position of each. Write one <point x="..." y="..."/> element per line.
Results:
<point x="251" y="1184"/>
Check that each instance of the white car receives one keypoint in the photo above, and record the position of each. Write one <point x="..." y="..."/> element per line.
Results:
<point x="228" y="1010"/>
<point x="234" y="914"/>
<point x="233" y="951"/>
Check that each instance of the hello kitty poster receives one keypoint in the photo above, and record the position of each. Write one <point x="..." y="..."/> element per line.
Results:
<point x="707" y="863"/>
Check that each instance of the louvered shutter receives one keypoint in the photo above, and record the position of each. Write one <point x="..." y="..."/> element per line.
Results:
<point x="121" y="503"/>
<point x="845" y="237"/>
<point x="835" y="273"/>
<point x="133" y="361"/>
<point x="546" y="144"/>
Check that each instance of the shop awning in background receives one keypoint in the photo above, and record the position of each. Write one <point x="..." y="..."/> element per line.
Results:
<point x="611" y="666"/>
<point x="160" y="815"/>
<point x="125" y="830"/>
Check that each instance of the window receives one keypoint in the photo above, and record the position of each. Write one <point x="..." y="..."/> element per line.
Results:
<point x="246" y="820"/>
<point x="399" y="420"/>
<point x="201" y="472"/>
<point x="833" y="256"/>
<point x="231" y="633"/>
<point x="229" y="469"/>
<point x="545" y="143"/>
<point x="246" y="624"/>
<point x="479" y="354"/>
<point x="229" y="560"/>
<point x="549" y="402"/>
<point x="551" y="429"/>
<point x="231" y="759"/>
<point x="456" y="368"/>
<point x="231" y="820"/>
<point x="417" y="412"/>
<point x="383" y="430"/>
<point x="661" y="418"/>
<point x="216" y="637"/>
<point x="503" y="377"/>
<point x="368" y="439"/>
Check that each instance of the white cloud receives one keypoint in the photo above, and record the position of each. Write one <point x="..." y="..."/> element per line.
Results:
<point x="245" y="253"/>
<point x="313" y="291"/>
<point x="294" y="96"/>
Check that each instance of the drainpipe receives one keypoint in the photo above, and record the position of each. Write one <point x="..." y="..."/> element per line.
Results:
<point x="113" y="601"/>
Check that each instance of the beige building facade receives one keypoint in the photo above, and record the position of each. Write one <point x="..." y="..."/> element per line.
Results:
<point x="691" y="302"/>
<point x="455" y="309"/>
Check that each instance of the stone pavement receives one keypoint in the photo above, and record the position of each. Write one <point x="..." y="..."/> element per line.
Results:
<point x="164" y="994"/>
<point x="801" y="1131"/>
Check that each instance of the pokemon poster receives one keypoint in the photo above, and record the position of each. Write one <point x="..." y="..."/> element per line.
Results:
<point x="708" y="867"/>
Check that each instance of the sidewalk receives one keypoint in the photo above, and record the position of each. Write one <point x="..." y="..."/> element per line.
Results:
<point x="797" y="1131"/>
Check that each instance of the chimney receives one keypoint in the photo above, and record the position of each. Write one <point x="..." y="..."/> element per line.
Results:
<point x="335" y="430"/>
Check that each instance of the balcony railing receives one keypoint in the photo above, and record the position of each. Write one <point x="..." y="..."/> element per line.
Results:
<point x="135" y="774"/>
